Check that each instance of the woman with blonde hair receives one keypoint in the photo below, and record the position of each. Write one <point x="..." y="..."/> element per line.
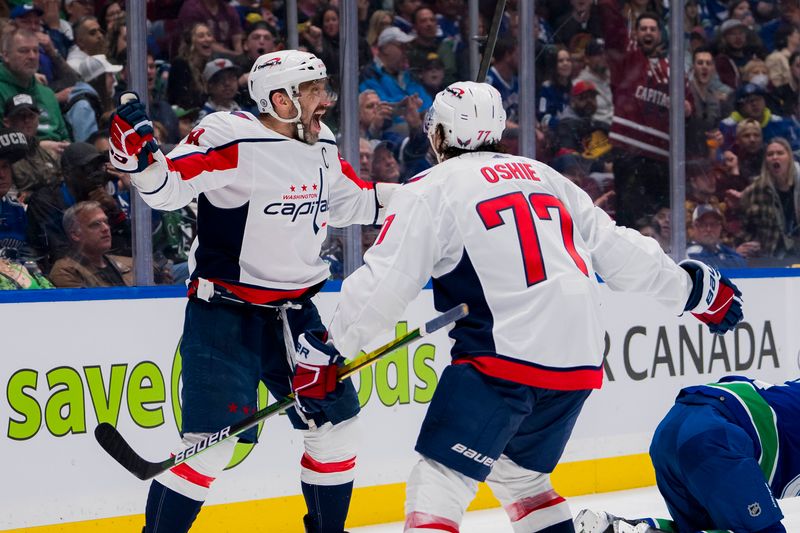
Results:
<point x="186" y="87"/>
<point x="771" y="204"/>
<point x="379" y="21"/>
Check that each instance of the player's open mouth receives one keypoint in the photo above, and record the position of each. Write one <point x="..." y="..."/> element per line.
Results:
<point x="315" y="120"/>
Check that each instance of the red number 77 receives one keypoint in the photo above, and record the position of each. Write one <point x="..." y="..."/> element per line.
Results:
<point x="484" y="134"/>
<point x="535" y="271"/>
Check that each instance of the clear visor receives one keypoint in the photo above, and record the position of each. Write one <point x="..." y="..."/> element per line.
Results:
<point x="321" y="89"/>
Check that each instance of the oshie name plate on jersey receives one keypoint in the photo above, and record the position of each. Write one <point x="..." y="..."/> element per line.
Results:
<point x="508" y="171"/>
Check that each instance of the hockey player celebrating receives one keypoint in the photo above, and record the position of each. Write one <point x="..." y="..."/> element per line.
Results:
<point x="722" y="454"/>
<point x="520" y="244"/>
<point x="267" y="188"/>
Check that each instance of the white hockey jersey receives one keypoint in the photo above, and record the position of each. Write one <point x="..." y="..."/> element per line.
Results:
<point x="264" y="203"/>
<point x="520" y="244"/>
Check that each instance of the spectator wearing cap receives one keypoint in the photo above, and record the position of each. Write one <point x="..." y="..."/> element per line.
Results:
<point x="432" y="75"/>
<point x="596" y="72"/>
<point x="91" y="102"/>
<point x="53" y="46"/>
<point x="554" y="93"/>
<point x="15" y="253"/>
<point x="404" y="14"/>
<point x="221" y="77"/>
<point x="574" y="123"/>
<point x="428" y="36"/>
<point x="787" y="42"/>
<point x="20" y="52"/>
<point x="89" y="263"/>
<point x="751" y="103"/>
<point x="710" y="105"/>
<point x="85" y="178"/>
<point x="706" y="244"/>
<point x="502" y="75"/>
<point x="388" y="74"/>
<point x="221" y="18"/>
<point x="89" y="41"/>
<point x="40" y="166"/>
<point x="733" y="51"/>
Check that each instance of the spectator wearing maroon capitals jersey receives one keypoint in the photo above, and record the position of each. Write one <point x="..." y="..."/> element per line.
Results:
<point x="640" y="125"/>
<point x="267" y="188"/>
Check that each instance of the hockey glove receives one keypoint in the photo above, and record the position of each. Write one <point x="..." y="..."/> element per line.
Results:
<point x="315" y="367"/>
<point x="131" y="140"/>
<point x="714" y="300"/>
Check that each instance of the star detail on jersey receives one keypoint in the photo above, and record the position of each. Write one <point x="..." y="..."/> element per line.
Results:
<point x="314" y="187"/>
<point x="292" y="188"/>
<point x="232" y="407"/>
<point x="304" y="188"/>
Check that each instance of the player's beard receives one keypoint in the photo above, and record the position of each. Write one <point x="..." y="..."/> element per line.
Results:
<point x="310" y="127"/>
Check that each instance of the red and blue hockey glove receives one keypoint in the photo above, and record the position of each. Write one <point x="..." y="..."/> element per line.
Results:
<point x="714" y="300"/>
<point x="314" y="367"/>
<point x="131" y="140"/>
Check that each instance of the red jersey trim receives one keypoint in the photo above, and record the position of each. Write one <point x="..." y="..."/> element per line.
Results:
<point x="215" y="159"/>
<point x="191" y="475"/>
<point x="253" y="295"/>
<point x="420" y="520"/>
<point x="312" y="464"/>
<point x="562" y="379"/>
<point x="350" y="173"/>
<point x="522" y="508"/>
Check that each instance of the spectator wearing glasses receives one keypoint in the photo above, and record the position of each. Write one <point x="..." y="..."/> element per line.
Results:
<point x="221" y="77"/>
<point x="20" y="52"/>
<point x="89" y="40"/>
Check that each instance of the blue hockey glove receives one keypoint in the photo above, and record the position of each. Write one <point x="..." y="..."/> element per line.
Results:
<point x="315" y="367"/>
<point x="714" y="300"/>
<point x="131" y="140"/>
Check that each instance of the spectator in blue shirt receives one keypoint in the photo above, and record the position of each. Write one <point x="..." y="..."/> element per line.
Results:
<point x="707" y="222"/>
<point x="388" y="74"/>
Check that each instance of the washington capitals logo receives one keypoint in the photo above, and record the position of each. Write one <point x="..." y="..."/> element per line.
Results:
<point x="455" y="91"/>
<point x="271" y="63"/>
<point x="462" y="142"/>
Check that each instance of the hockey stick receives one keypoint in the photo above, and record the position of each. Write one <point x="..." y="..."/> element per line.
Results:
<point x="491" y="39"/>
<point x="114" y="443"/>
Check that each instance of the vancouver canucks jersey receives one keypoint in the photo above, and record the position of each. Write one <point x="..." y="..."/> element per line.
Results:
<point x="769" y="414"/>
<point x="265" y="202"/>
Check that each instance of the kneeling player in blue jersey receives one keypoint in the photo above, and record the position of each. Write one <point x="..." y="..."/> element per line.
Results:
<point x="722" y="454"/>
<point x="520" y="244"/>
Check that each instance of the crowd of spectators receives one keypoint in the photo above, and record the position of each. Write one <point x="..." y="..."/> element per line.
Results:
<point x="602" y="114"/>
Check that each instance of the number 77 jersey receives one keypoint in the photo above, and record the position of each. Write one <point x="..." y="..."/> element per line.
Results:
<point x="520" y="244"/>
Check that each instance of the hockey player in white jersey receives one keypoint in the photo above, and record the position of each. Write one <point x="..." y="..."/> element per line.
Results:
<point x="520" y="244"/>
<point x="267" y="188"/>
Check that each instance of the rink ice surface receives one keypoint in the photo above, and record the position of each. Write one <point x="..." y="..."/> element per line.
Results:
<point x="627" y="503"/>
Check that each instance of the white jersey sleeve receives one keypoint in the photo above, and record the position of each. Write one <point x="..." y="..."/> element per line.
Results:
<point x="352" y="200"/>
<point x="624" y="258"/>
<point x="207" y="159"/>
<point x="396" y="268"/>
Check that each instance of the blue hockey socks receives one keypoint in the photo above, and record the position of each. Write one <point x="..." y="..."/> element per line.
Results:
<point x="327" y="507"/>
<point x="169" y="512"/>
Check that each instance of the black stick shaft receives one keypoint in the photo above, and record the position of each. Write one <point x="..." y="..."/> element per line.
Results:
<point x="488" y="50"/>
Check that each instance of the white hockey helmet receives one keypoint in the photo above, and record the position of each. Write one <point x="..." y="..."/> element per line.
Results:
<point x="470" y="113"/>
<point x="285" y="70"/>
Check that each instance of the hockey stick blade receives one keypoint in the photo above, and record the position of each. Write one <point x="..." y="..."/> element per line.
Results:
<point x="112" y="441"/>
